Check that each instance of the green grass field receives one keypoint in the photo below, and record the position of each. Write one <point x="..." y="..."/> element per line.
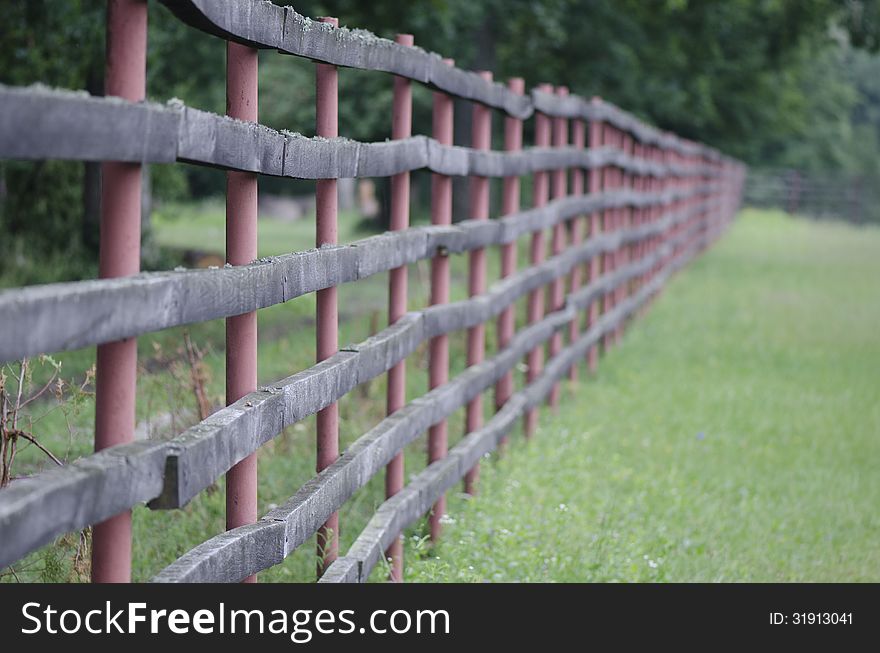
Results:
<point x="735" y="435"/>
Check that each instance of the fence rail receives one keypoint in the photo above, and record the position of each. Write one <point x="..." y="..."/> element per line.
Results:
<point x="833" y="194"/>
<point x="654" y="202"/>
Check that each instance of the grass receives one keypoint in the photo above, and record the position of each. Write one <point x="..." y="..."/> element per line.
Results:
<point x="766" y="346"/>
<point x="287" y="337"/>
<point x="201" y="226"/>
<point x="733" y="436"/>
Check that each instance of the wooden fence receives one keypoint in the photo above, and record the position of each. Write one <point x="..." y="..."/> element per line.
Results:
<point x="832" y="195"/>
<point x="625" y="204"/>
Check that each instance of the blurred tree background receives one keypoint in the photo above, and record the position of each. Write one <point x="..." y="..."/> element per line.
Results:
<point x="773" y="82"/>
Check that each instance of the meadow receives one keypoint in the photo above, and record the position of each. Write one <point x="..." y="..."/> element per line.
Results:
<point x="732" y="436"/>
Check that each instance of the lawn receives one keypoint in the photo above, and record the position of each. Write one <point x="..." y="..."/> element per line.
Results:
<point x="734" y="436"/>
<point x="166" y="402"/>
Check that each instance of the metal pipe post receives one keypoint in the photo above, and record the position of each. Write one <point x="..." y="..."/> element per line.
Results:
<point x="327" y="125"/>
<point x="578" y="227"/>
<point x="401" y="127"/>
<point x="596" y="178"/>
<point x="481" y="139"/>
<point x="510" y="203"/>
<point x="438" y="365"/>
<point x="241" y="249"/>
<point x="120" y="252"/>
<point x="557" y="243"/>
<point x="537" y="254"/>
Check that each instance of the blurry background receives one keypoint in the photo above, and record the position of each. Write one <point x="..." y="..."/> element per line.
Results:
<point x="785" y="85"/>
<point x="767" y="348"/>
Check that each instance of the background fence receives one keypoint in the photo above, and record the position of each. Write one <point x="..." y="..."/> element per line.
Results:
<point x="855" y="198"/>
<point x="624" y="204"/>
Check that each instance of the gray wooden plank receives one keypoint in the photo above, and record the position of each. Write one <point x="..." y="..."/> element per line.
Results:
<point x="65" y="316"/>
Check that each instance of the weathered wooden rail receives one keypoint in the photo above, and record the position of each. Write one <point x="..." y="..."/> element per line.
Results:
<point x="654" y="202"/>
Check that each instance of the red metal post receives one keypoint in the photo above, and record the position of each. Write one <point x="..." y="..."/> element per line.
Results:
<point x="510" y="203"/>
<point x="609" y="182"/>
<point x="557" y="243"/>
<point x="438" y="365"/>
<point x="120" y="252"/>
<point x="327" y="125"/>
<point x="578" y="226"/>
<point x="401" y="127"/>
<point x="241" y="249"/>
<point x="481" y="139"/>
<point x="625" y="220"/>
<point x="537" y="253"/>
<point x="596" y="177"/>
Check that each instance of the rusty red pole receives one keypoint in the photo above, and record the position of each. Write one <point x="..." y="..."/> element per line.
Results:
<point x="241" y="249"/>
<point x="578" y="138"/>
<point x="662" y="187"/>
<point x="327" y="125"/>
<point x="596" y="175"/>
<point x="401" y="127"/>
<point x="656" y="210"/>
<point x="120" y="255"/>
<point x="537" y="253"/>
<point x="557" y="243"/>
<point x="609" y="182"/>
<point x="637" y="214"/>
<point x="635" y="219"/>
<point x="438" y="365"/>
<point x="481" y="139"/>
<point x="625" y="220"/>
<point x="510" y="203"/>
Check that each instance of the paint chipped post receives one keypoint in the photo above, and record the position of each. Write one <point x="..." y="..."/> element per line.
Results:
<point x="241" y="249"/>
<point x="120" y="251"/>
<point x="481" y="140"/>
<point x="438" y="356"/>
<point x="401" y="127"/>
<point x="327" y="321"/>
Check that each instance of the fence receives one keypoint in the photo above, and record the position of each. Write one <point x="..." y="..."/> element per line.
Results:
<point x="836" y="195"/>
<point x="653" y="202"/>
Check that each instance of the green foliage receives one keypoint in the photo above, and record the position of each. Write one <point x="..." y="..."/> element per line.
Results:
<point x="777" y="82"/>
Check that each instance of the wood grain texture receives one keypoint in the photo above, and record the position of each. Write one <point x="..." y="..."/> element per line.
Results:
<point x="262" y="25"/>
<point x="40" y="123"/>
<point x="328" y="491"/>
<point x="169" y="474"/>
<point x="65" y="316"/>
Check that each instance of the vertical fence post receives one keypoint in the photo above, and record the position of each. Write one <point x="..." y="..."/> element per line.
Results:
<point x="327" y="123"/>
<point x="557" y="243"/>
<point x="669" y="207"/>
<point x="401" y="127"/>
<point x="438" y="365"/>
<point x="596" y="176"/>
<point x="655" y="185"/>
<point x="510" y="203"/>
<point x="609" y="182"/>
<point x="481" y="139"/>
<point x="578" y="226"/>
<point x="620" y="256"/>
<point x="638" y="218"/>
<point x="626" y="220"/>
<point x="241" y="249"/>
<point x="120" y="255"/>
<point x="537" y="253"/>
